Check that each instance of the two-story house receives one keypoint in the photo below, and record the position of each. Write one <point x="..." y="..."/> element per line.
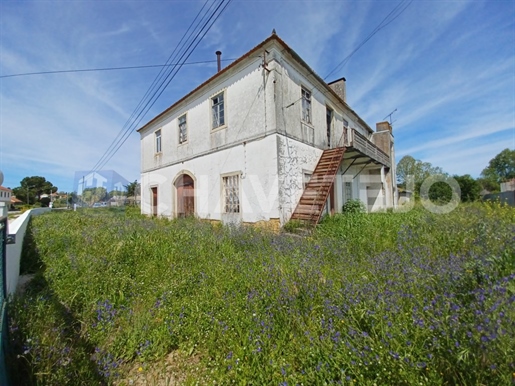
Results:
<point x="264" y="140"/>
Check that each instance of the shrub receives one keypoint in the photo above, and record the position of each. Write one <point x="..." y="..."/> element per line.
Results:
<point x="354" y="206"/>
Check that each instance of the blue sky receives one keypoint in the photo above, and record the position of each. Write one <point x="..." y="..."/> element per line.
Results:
<point x="448" y="67"/>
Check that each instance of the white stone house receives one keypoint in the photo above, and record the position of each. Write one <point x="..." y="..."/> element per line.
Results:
<point x="5" y="200"/>
<point x="242" y="146"/>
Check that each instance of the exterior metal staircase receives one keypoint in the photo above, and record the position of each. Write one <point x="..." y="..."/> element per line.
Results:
<point x="313" y="199"/>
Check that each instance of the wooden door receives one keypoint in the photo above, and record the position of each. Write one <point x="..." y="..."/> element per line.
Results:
<point x="154" y="201"/>
<point x="185" y="196"/>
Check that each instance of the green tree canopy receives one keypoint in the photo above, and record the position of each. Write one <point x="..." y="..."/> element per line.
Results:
<point x="408" y="167"/>
<point x="500" y="168"/>
<point x="92" y="195"/>
<point x="132" y="188"/>
<point x="31" y="189"/>
<point x="470" y="188"/>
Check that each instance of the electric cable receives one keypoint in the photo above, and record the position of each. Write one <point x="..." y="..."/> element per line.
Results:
<point x="108" y="68"/>
<point x="164" y="79"/>
<point x="379" y="27"/>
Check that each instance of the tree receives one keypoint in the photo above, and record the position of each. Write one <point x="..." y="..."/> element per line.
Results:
<point x="408" y="167"/>
<point x="501" y="168"/>
<point x="92" y="195"/>
<point x="114" y="193"/>
<point x="132" y="189"/>
<point x="31" y="189"/>
<point x="470" y="188"/>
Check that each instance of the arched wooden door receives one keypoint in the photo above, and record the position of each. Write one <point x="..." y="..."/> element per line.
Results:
<point x="185" y="187"/>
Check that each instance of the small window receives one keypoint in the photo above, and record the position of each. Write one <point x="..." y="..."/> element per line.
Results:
<point x="158" y="141"/>
<point x="329" y="120"/>
<point x="345" y="123"/>
<point x="218" y="108"/>
<point x="306" y="105"/>
<point x="183" y="129"/>
<point x="231" y="192"/>
<point x="305" y="180"/>
<point x="348" y="191"/>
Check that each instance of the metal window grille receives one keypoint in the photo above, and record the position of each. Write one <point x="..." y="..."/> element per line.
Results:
<point x="158" y="141"/>
<point x="231" y="186"/>
<point x="348" y="191"/>
<point x="306" y="106"/>
<point x="183" y="129"/>
<point x="218" y="110"/>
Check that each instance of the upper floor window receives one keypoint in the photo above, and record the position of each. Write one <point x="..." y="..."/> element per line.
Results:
<point x="218" y="109"/>
<point x="183" y="129"/>
<point x="329" y="121"/>
<point x="158" y="141"/>
<point x="306" y="105"/>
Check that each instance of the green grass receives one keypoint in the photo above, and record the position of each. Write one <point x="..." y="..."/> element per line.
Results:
<point x="386" y="299"/>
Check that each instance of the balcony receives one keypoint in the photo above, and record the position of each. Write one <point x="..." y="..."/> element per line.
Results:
<point x="359" y="144"/>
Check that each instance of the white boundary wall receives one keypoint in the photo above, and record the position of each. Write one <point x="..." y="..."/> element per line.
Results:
<point x="17" y="227"/>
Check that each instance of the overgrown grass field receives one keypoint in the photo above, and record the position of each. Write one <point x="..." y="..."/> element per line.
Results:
<point x="381" y="299"/>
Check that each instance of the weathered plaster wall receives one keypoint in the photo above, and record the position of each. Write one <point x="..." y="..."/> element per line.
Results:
<point x="255" y="161"/>
<point x="294" y="159"/>
<point x="245" y="118"/>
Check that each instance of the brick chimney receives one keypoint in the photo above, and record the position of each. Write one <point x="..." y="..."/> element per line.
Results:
<point x="383" y="137"/>
<point x="338" y="86"/>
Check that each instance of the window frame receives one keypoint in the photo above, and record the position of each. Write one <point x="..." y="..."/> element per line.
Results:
<point x="306" y="105"/>
<point x="224" y="203"/>
<point x="329" y="112"/>
<point x="180" y="139"/>
<point x="306" y="177"/>
<point x="158" y="141"/>
<point x="212" y="105"/>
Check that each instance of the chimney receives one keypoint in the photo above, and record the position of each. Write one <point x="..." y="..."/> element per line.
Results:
<point x="383" y="137"/>
<point x="219" y="59"/>
<point x="338" y="86"/>
<point x="383" y="126"/>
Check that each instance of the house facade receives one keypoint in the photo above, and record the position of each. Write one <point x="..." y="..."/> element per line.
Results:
<point x="5" y="200"/>
<point x="250" y="144"/>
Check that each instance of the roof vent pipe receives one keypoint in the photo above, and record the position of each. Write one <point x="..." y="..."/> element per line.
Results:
<point x="218" y="59"/>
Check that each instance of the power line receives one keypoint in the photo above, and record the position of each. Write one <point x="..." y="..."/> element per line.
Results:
<point x="193" y="43"/>
<point x="126" y="127"/>
<point x="108" y="68"/>
<point x="394" y="14"/>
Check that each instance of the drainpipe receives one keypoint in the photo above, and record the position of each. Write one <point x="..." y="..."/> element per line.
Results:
<point x="218" y="59"/>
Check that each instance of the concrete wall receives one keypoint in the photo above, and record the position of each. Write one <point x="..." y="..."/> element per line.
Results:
<point x="18" y="228"/>
<point x="507" y="198"/>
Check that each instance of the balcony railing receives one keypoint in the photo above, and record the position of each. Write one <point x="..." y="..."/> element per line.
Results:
<point x="351" y="138"/>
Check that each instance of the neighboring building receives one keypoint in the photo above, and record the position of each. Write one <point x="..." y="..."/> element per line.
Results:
<point x="245" y="146"/>
<point x="508" y="186"/>
<point x="5" y="200"/>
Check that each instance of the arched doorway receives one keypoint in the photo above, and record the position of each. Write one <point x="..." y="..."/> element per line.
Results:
<point x="185" y="188"/>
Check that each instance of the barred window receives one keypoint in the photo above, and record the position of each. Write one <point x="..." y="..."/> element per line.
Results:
<point x="306" y="105"/>
<point x="217" y="105"/>
<point x="183" y="129"/>
<point x="231" y="191"/>
<point x="158" y="141"/>
<point x="348" y="191"/>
